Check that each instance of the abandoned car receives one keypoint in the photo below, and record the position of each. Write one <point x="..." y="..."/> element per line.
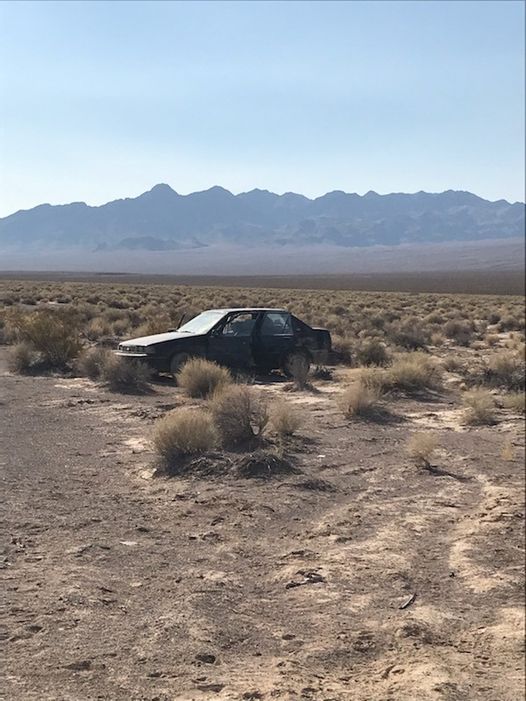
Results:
<point x="250" y="338"/>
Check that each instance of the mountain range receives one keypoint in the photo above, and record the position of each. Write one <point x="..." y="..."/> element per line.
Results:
<point x="163" y="220"/>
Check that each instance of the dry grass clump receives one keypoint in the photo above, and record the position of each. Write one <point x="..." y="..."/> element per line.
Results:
<point x="92" y="362"/>
<point x="376" y="379"/>
<point x="372" y="353"/>
<point x="125" y="375"/>
<point x="505" y="369"/>
<point x="239" y="416"/>
<point x="284" y="419"/>
<point x="360" y="399"/>
<point x="343" y="349"/>
<point x="184" y="432"/>
<point x="460" y="331"/>
<point x="512" y="322"/>
<point x="453" y="364"/>
<point x="516" y="401"/>
<point x="421" y="447"/>
<point x="97" y="328"/>
<point x="480" y="407"/>
<point x="22" y="358"/>
<point x="51" y="334"/>
<point x="202" y="378"/>
<point x="410" y="335"/>
<point x="413" y="372"/>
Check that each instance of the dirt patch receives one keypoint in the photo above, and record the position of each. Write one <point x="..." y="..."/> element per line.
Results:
<point x="120" y="585"/>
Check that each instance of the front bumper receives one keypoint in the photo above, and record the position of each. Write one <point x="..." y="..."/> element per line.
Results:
<point x="131" y="354"/>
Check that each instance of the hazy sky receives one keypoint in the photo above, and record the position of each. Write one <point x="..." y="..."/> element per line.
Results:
<point x="101" y="100"/>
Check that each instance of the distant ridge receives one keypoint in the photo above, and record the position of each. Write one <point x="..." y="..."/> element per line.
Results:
<point x="163" y="220"/>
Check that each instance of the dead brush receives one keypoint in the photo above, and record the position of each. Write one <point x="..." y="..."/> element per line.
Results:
<point x="53" y="334"/>
<point x="361" y="400"/>
<point x="459" y="331"/>
<point x="413" y="372"/>
<point x="91" y="362"/>
<point x="372" y="353"/>
<point x="284" y="419"/>
<point x="240" y="416"/>
<point x="202" y="378"/>
<point x="182" y="433"/>
<point x="479" y="407"/>
<point x="22" y="358"/>
<point x="125" y="375"/>
<point x="421" y="447"/>
<point x="515" y="401"/>
<point x="506" y="370"/>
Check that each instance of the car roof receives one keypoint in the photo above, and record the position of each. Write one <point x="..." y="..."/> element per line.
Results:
<point x="247" y="309"/>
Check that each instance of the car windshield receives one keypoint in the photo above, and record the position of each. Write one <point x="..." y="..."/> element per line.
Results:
<point x="202" y="323"/>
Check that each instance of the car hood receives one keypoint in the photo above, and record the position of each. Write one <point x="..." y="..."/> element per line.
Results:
<point x="158" y="338"/>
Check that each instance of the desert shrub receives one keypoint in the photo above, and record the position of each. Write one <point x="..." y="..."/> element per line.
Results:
<point x="434" y="318"/>
<point x="121" y="327"/>
<point x="411" y="336"/>
<point x="184" y="432"/>
<point x="342" y="348"/>
<point x="201" y="378"/>
<point x="98" y="327"/>
<point x="421" y="447"/>
<point x="375" y="378"/>
<point x="480" y="407"/>
<point x="459" y="331"/>
<point x="53" y="335"/>
<point x="372" y="352"/>
<point x="437" y="339"/>
<point x="125" y="375"/>
<point x="515" y="401"/>
<point x="153" y="326"/>
<point x="239" y="416"/>
<point x="284" y="418"/>
<point x="493" y="318"/>
<point x="453" y="364"/>
<point x="511" y="323"/>
<point x="360" y="399"/>
<point x="505" y="370"/>
<point x="91" y="362"/>
<point x="413" y="372"/>
<point x="22" y="358"/>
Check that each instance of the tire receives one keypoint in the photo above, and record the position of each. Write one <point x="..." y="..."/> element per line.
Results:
<point x="298" y="359"/>
<point x="177" y="362"/>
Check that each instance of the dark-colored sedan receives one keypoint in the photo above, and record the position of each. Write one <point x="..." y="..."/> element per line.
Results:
<point x="247" y="338"/>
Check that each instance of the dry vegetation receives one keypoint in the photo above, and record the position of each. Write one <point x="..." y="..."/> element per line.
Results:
<point x="279" y="518"/>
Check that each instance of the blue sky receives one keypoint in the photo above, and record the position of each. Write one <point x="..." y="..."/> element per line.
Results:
<point x="102" y="100"/>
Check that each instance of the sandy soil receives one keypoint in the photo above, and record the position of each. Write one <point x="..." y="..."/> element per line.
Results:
<point x="122" y="585"/>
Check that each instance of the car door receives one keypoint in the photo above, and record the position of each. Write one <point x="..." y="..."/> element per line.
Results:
<point x="231" y="343"/>
<point x="274" y="339"/>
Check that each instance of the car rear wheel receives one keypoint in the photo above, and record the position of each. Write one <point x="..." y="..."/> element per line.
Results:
<point x="295" y="364"/>
<point x="177" y="362"/>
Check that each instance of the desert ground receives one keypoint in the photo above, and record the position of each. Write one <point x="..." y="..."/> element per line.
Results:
<point x="361" y="570"/>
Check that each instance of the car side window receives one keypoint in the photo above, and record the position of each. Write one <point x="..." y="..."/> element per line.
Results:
<point x="276" y="324"/>
<point x="240" y="325"/>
